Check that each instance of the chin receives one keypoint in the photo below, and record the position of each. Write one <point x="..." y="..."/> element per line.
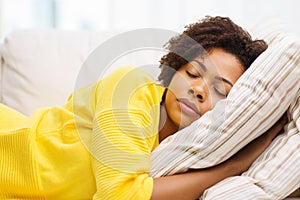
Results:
<point x="186" y="123"/>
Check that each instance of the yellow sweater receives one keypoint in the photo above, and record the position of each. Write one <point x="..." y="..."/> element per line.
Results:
<point x="97" y="146"/>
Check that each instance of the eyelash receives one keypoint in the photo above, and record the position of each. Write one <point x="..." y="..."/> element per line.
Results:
<point x="191" y="74"/>
<point x="198" y="76"/>
<point x="219" y="93"/>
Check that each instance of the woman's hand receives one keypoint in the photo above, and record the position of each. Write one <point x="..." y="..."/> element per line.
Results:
<point x="246" y="156"/>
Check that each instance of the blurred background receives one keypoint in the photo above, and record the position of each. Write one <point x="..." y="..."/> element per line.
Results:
<point x="133" y="14"/>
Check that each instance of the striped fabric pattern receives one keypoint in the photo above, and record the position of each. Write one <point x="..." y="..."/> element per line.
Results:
<point x="275" y="174"/>
<point x="264" y="92"/>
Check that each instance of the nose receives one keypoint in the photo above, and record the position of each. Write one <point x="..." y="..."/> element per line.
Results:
<point x="199" y="90"/>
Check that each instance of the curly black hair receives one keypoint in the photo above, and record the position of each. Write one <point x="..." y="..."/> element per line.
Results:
<point x="204" y="35"/>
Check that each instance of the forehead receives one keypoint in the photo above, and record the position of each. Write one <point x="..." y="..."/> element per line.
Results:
<point x="220" y="63"/>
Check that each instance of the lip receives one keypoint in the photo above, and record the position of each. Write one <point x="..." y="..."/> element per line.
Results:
<point x="187" y="106"/>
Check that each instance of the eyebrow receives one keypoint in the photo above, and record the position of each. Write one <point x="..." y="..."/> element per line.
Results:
<point x="201" y="65"/>
<point x="204" y="68"/>
<point x="225" y="80"/>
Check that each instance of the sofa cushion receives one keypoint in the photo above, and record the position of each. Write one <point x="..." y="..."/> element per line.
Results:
<point x="40" y="67"/>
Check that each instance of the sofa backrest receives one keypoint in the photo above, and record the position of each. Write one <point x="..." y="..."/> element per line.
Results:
<point x="39" y="67"/>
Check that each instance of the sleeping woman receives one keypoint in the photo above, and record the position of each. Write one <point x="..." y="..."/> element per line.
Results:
<point x="98" y="145"/>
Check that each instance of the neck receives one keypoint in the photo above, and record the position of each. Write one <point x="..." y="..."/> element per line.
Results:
<point x="166" y="126"/>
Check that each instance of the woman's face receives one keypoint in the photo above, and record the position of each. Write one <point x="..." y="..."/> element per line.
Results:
<point x="198" y="85"/>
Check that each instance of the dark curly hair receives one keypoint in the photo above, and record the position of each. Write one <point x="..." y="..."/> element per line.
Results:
<point x="201" y="37"/>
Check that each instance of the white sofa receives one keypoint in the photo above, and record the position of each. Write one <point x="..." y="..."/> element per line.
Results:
<point x="39" y="68"/>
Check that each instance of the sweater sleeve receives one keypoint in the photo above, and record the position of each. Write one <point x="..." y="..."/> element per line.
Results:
<point x="124" y="134"/>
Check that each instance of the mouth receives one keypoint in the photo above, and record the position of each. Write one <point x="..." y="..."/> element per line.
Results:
<point x="188" y="107"/>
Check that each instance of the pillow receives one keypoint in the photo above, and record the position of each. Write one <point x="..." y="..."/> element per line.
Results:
<point x="275" y="174"/>
<point x="257" y="100"/>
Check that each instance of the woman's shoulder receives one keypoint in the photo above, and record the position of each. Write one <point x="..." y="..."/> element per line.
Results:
<point x="126" y="80"/>
<point x="129" y="74"/>
<point x="128" y="84"/>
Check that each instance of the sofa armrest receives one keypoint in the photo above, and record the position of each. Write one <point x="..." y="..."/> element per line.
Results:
<point x="1" y="60"/>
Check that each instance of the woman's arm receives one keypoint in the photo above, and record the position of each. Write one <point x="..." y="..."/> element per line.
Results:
<point x="191" y="185"/>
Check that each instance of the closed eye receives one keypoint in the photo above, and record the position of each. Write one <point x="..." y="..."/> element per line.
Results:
<point x="220" y="93"/>
<point x="191" y="74"/>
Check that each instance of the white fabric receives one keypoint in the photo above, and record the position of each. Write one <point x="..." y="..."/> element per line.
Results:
<point x="0" y="78"/>
<point x="40" y="67"/>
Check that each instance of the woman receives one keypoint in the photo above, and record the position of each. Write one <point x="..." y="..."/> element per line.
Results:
<point x="98" y="145"/>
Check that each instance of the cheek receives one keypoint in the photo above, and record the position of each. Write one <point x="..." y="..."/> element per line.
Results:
<point x="209" y="103"/>
<point x="172" y="108"/>
<point x="178" y="84"/>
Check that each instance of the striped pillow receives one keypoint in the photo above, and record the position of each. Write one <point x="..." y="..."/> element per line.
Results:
<point x="258" y="99"/>
<point x="276" y="173"/>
